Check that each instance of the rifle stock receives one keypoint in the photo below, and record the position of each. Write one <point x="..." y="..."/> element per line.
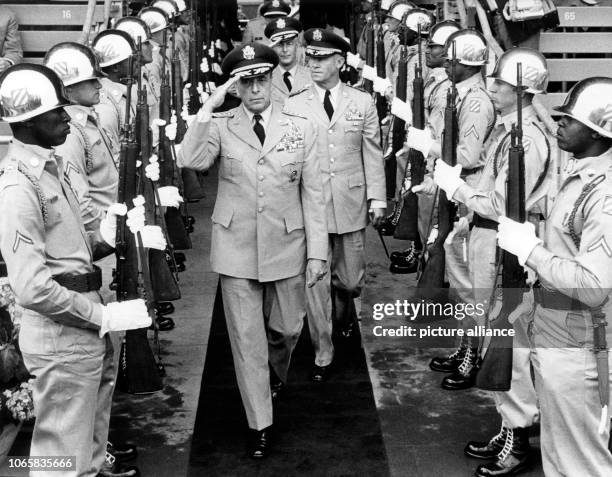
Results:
<point x="495" y="373"/>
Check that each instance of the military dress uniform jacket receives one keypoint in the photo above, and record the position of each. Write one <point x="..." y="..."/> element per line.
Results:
<point x="89" y="164"/>
<point x="254" y="31"/>
<point x="280" y="92"/>
<point x="42" y="235"/>
<point x="269" y="216"/>
<point x="10" y="40"/>
<point x="352" y="164"/>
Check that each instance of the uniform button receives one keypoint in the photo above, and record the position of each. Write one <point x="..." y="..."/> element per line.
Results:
<point x="331" y="160"/>
<point x="331" y="146"/>
<point x="261" y="178"/>
<point x="330" y="131"/>
<point x="34" y="162"/>
<point x="261" y="161"/>
<point x="333" y="175"/>
<point x="261" y="194"/>
<point x="260" y="209"/>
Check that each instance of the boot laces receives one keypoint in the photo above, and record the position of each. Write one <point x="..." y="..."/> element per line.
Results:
<point x="499" y="436"/>
<point x="508" y="445"/>
<point x="457" y="353"/>
<point x="110" y="459"/>
<point x="467" y="363"/>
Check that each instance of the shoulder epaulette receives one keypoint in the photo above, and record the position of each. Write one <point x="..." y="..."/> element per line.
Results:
<point x="230" y="113"/>
<point x="291" y="112"/>
<point x="10" y="175"/>
<point x="360" y="88"/>
<point x="299" y="91"/>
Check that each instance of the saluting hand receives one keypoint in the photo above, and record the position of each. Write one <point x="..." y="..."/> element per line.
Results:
<point x="216" y="99"/>
<point x="315" y="271"/>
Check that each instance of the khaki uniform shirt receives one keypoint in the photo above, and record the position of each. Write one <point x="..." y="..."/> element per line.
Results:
<point x="435" y="91"/>
<point x="254" y="31"/>
<point x="299" y="80"/>
<point x="42" y="235"/>
<point x="89" y="165"/>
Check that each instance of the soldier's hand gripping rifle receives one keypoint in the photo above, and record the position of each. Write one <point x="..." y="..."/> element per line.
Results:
<point x="138" y="372"/>
<point x="408" y="221"/>
<point x="432" y="279"/>
<point x="164" y="283"/>
<point x="495" y="373"/>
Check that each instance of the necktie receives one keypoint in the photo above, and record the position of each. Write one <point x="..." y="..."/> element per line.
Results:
<point x="287" y="81"/>
<point x="327" y="104"/>
<point x="259" y="129"/>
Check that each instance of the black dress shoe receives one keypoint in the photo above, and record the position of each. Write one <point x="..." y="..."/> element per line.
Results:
<point x="513" y="459"/>
<point x="164" y="308"/>
<point x="486" y="450"/>
<point x="405" y="265"/>
<point x="122" y="452"/>
<point x="448" y="364"/>
<point x="164" y="323"/>
<point x="320" y="373"/>
<point x="111" y="468"/>
<point x="259" y="445"/>
<point x="465" y="376"/>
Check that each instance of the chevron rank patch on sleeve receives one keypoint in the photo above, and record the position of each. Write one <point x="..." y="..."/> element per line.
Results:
<point x="603" y="244"/>
<point x="19" y="239"/>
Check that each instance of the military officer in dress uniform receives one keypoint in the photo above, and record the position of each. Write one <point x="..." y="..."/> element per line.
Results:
<point x="269" y="11"/>
<point x="268" y="224"/>
<point x="289" y="75"/>
<point x="64" y="334"/>
<point x="573" y="262"/>
<point x="476" y="118"/>
<point x="353" y="182"/>
<point x="518" y="407"/>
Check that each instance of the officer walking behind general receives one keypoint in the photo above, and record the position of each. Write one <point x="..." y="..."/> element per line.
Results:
<point x="268" y="224"/>
<point x="353" y="182"/>
<point x="64" y="335"/>
<point x="569" y="338"/>
<point x="269" y="11"/>
<point x="289" y="75"/>
<point x="518" y="408"/>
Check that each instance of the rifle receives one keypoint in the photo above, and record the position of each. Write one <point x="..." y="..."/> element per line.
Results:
<point x="163" y="282"/>
<point x="368" y="85"/>
<point x="194" y="103"/>
<point x="381" y="68"/>
<point x="177" y="90"/>
<point x="432" y="278"/>
<point x="408" y="220"/>
<point x="138" y="372"/>
<point x="495" y="373"/>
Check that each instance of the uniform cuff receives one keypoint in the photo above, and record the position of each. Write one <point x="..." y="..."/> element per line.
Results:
<point x="462" y="193"/>
<point x="538" y="257"/>
<point x="378" y="204"/>
<point x="317" y="250"/>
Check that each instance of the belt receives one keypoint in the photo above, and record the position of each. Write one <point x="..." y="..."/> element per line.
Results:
<point x="82" y="283"/>
<point x="483" y="223"/>
<point x="556" y="300"/>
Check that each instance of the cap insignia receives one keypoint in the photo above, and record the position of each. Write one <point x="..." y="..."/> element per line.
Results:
<point x="248" y="53"/>
<point x="317" y="35"/>
<point x="281" y="23"/>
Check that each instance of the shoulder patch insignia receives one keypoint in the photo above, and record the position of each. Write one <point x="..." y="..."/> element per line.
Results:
<point x="472" y="130"/>
<point x="603" y="244"/>
<point x="607" y="205"/>
<point x="19" y="239"/>
<point x="474" y="105"/>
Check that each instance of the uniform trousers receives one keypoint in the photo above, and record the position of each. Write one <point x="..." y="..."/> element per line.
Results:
<point x="264" y="321"/>
<point x="518" y="407"/>
<point x="75" y="378"/>
<point x="566" y="384"/>
<point x="482" y="268"/>
<point x="338" y="289"/>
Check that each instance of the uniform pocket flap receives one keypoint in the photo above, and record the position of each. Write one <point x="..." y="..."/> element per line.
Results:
<point x="356" y="180"/>
<point x="294" y="222"/>
<point x="285" y="161"/>
<point x="223" y="214"/>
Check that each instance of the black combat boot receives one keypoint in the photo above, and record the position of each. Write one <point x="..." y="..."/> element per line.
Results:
<point x="111" y="468"/>
<point x="465" y="376"/>
<point x="514" y="458"/>
<point x="487" y="450"/>
<point x="407" y="262"/>
<point x="450" y="363"/>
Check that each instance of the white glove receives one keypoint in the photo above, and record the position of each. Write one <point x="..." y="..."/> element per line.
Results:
<point x="108" y="225"/>
<point x="420" y="139"/>
<point x="516" y="238"/>
<point x="125" y="315"/>
<point x="204" y="68"/>
<point x="381" y="85"/>
<point x="136" y="217"/>
<point x="369" y="73"/>
<point x="169" y="197"/>
<point x="427" y="187"/>
<point x="447" y="177"/>
<point x="152" y="171"/>
<point x="353" y="60"/>
<point x="402" y="110"/>
<point x="171" y="128"/>
<point x="153" y="237"/>
<point x="217" y="69"/>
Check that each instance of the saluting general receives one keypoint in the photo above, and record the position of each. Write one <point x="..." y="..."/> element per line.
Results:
<point x="268" y="225"/>
<point x="353" y="182"/>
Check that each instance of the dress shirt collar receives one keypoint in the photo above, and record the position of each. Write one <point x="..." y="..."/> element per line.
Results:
<point x="334" y="92"/>
<point x="292" y="71"/>
<point x="265" y="116"/>
<point x="589" y="167"/>
<point x="508" y="120"/>
<point x="464" y="86"/>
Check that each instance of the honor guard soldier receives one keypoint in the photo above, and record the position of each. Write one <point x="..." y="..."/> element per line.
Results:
<point x="353" y="182"/>
<point x="518" y="407"/>
<point x="64" y="334"/>
<point x="569" y="338"/>
<point x="157" y="20"/>
<point x="114" y="48"/>
<point x="268" y="225"/>
<point x="269" y="11"/>
<point x="289" y="75"/>
<point x="476" y="118"/>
